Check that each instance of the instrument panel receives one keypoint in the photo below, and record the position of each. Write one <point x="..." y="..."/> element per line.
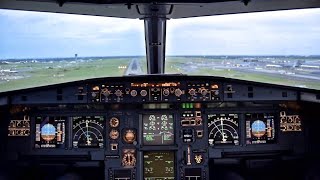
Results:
<point x="153" y="130"/>
<point x="156" y="144"/>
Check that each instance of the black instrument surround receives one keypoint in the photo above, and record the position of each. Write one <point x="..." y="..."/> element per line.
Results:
<point x="147" y="127"/>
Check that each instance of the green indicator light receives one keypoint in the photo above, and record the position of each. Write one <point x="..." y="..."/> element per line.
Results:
<point x="191" y="105"/>
<point x="183" y="105"/>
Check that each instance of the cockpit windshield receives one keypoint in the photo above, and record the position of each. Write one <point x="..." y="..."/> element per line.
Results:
<point x="280" y="47"/>
<point x="38" y="49"/>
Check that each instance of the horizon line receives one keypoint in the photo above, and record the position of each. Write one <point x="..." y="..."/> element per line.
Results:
<point x="145" y="56"/>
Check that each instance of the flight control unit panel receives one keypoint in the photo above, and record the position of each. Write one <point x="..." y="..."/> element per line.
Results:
<point x="152" y="129"/>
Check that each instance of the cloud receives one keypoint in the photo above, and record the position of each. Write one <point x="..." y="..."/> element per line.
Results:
<point x="86" y="35"/>
<point x="278" y="32"/>
<point x="38" y="34"/>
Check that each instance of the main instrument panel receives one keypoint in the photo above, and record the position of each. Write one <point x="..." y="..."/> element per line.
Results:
<point x="152" y="129"/>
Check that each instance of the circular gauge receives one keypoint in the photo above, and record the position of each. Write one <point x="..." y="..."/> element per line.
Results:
<point x="88" y="132"/>
<point x="114" y="134"/>
<point x="223" y="129"/>
<point x="114" y="122"/>
<point x="129" y="136"/>
<point x="48" y="132"/>
<point x="258" y="128"/>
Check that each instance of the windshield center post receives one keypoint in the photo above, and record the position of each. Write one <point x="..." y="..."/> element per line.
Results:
<point x="155" y="38"/>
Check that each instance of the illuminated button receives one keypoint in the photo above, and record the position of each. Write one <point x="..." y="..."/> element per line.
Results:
<point x="199" y="133"/>
<point x="215" y="86"/>
<point x="96" y="88"/>
<point x="114" y="146"/>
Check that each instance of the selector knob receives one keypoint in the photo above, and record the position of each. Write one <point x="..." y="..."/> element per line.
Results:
<point x="93" y="94"/>
<point x="203" y="92"/>
<point x="114" y="134"/>
<point x="143" y="93"/>
<point x="178" y="92"/>
<point x="192" y="92"/>
<point x="105" y="92"/>
<point x="133" y="93"/>
<point x="114" y="122"/>
<point x="118" y="93"/>
<point x="166" y="92"/>
<point x="129" y="136"/>
<point x="129" y="158"/>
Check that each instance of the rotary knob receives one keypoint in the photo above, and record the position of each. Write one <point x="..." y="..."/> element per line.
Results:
<point x="105" y="92"/>
<point x="114" y="122"/>
<point x="129" y="159"/>
<point x="114" y="134"/>
<point x="143" y="93"/>
<point x="129" y="136"/>
<point x="118" y="93"/>
<point x="192" y="92"/>
<point x="133" y="93"/>
<point x="166" y="92"/>
<point x="93" y="94"/>
<point x="178" y="92"/>
<point x="203" y="92"/>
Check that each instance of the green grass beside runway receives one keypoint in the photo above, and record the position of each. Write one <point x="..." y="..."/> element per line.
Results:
<point x="48" y="73"/>
<point x="41" y="74"/>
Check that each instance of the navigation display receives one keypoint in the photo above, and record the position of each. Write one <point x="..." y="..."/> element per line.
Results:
<point x="260" y="128"/>
<point x="223" y="129"/>
<point x="88" y="131"/>
<point x="50" y="132"/>
<point x="158" y="165"/>
<point x="158" y="129"/>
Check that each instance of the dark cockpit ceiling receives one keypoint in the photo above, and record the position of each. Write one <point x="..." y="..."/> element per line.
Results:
<point x="171" y="9"/>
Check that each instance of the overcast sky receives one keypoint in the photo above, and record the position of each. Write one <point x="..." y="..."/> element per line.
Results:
<point x="34" y="34"/>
